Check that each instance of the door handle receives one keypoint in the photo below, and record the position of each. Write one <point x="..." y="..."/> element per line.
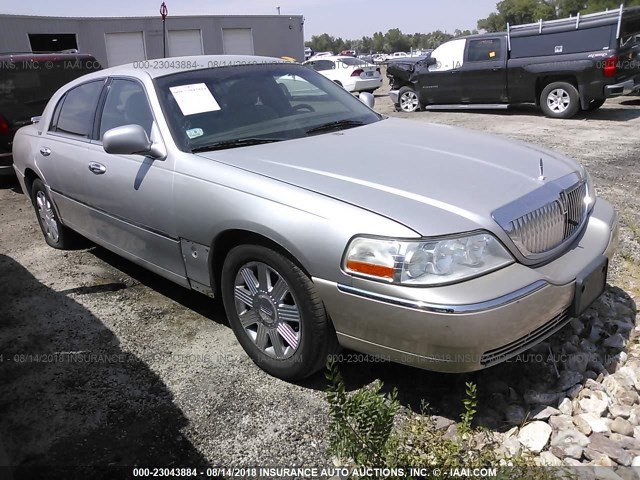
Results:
<point x="45" y="151"/>
<point x="454" y="71"/>
<point x="97" y="168"/>
<point x="496" y="69"/>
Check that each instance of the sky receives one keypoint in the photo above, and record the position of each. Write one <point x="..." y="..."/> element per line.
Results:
<point x="349" y="19"/>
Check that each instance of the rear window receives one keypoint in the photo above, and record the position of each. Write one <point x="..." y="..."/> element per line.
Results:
<point x="353" y="62"/>
<point x="28" y="85"/>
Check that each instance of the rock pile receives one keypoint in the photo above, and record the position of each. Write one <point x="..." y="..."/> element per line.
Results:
<point x="577" y="402"/>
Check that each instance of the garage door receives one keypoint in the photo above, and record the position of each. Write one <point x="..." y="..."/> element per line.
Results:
<point x="184" y="42"/>
<point x="237" y="41"/>
<point x="124" y="48"/>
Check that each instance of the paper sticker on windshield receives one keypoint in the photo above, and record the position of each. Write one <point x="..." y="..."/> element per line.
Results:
<point x="195" y="98"/>
<point x="194" y="133"/>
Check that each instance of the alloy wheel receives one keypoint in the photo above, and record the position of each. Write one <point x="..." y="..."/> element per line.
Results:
<point x="267" y="310"/>
<point x="47" y="216"/>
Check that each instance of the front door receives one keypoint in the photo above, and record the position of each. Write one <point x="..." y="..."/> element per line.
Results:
<point x="132" y="195"/>
<point x="440" y="84"/>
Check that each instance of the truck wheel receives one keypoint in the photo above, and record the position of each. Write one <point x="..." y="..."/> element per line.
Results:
<point x="55" y="234"/>
<point x="595" y="104"/>
<point x="560" y="100"/>
<point x="408" y="100"/>
<point x="276" y="313"/>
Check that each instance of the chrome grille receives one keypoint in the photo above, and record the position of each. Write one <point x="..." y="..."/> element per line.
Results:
<point x="548" y="226"/>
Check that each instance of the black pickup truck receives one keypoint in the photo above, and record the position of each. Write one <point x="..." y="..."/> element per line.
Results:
<point x="563" y="66"/>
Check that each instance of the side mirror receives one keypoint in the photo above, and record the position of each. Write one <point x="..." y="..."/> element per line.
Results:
<point x="430" y="61"/>
<point x="368" y="99"/>
<point x="130" y="140"/>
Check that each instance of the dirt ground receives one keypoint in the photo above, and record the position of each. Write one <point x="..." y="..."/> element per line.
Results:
<point x="102" y="363"/>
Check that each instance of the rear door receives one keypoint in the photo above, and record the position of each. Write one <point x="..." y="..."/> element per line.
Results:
<point x="483" y="75"/>
<point x="64" y="148"/>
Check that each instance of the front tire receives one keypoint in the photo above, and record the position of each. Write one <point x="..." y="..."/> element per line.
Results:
<point x="55" y="234"/>
<point x="275" y="312"/>
<point x="408" y="100"/>
<point x="560" y="100"/>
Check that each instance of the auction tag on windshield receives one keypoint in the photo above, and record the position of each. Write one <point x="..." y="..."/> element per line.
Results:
<point x="195" y="98"/>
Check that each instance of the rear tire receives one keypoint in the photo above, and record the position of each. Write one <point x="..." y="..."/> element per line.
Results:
<point x="560" y="100"/>
<point x="408" y="100"/>
<point x="55" y="233"/>
<point x="595" y="104"/>
<point x="276" y="313"/>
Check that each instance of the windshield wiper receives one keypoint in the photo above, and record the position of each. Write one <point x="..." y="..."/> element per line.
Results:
<point x="338" y="125"/>
<point x="239" y="142"/>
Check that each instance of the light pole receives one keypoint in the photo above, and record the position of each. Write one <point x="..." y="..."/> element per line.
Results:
<point x="164" y="12"/>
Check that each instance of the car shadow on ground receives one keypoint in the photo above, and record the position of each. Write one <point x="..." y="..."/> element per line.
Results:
<point x="72" y="396"/>
<point x="10" y="183"/>
<point x="541" y="376"/>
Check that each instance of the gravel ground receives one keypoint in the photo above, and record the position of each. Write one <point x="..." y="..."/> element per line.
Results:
<point x="104" y="363"/>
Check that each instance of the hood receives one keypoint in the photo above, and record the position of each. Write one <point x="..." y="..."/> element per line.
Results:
<point x="434" y="179"/>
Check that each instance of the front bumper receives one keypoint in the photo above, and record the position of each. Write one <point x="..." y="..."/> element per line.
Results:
<point x="629" y="87"/>
<point x="473" y="324"/>
<point x="395" y="98"/>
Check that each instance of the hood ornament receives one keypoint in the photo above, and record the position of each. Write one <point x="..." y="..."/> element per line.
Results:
<point x="541" y="177"/>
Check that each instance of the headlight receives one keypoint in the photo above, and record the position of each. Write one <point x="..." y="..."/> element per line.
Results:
<point x="590" y="197"/>
<point x="432" y="262"/>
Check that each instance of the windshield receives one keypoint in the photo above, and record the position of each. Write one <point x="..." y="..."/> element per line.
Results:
<point x="240" y="105"/>
<point x="354" y="62"/>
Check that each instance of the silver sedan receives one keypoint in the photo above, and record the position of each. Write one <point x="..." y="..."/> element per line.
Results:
<point x="320" y="223"/>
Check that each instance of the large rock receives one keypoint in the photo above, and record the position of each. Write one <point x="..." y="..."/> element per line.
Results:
<point x="534" y="436"/>
<point x="615" y="341"/>
<point x="440" y="423"/>
<point x="603" y="445"/>
<point x="565" y="406"/>
<point x="628" y="443"/>
<point x="578" y="362"/>
<point x="623" y="411"/>
<point x="622" y="426"/>
<point x="543" y="413"/>
<point x="596" y="424"/>
<point x="595" y="403"/>
<point x="630" y="397"/>
<point x="513" y="446"/>
<point x="548" y="459"/>
<point x="561" y="422"/>
<point x="570" y="442"/>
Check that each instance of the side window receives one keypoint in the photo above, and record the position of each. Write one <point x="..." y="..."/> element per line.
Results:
<point x="126" y="104"/>
<point x="77" y="110"/>
<point x="322" y="65"/>
<point x="449" y="56"/>
<point x="484" y="50"/>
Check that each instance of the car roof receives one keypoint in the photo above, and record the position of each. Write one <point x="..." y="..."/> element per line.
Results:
<point x="167" y="66"/>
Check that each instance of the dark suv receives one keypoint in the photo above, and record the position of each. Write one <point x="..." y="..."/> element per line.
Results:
<point x="27" y="82"/>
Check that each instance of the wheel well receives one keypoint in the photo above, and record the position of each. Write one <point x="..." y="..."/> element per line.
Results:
<point x="229" y="239"/>
<point x="29" y="177"/>
<point x="542" y="82"/>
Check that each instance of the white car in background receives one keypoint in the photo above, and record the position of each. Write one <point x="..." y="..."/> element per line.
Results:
<point x="354" y="74"/>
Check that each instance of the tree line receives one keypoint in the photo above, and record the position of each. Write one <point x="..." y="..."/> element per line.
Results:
<point x="514" y="12"/>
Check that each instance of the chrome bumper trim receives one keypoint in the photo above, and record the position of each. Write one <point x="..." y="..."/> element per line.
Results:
<point x="2" y="155"/>
<point x="451" y="309"/>
<point x="393" y="94"/>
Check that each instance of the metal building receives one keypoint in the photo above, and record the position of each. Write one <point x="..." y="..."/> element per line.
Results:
<point x="114" y="40"/>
